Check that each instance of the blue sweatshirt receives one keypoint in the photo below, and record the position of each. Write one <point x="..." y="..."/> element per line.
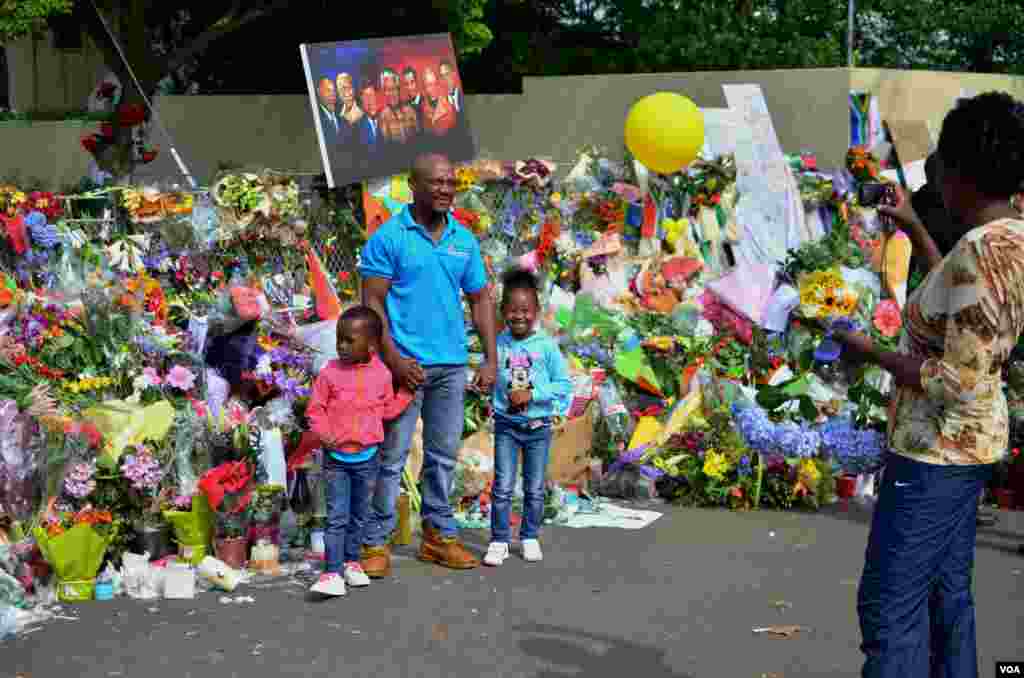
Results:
<point x="536" y="363"/>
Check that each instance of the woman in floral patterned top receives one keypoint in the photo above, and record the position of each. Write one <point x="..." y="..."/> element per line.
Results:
<point x="948" y="417"/>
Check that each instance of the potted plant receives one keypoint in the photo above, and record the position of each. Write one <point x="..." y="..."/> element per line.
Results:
<point x="153" y="533"/>
<point x="231" y="544"/>
<point x="228" y="489"/>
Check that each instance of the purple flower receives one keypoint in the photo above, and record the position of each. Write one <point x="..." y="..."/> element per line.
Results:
<point x="78" y="482"/>
<point x="142" y="470"/>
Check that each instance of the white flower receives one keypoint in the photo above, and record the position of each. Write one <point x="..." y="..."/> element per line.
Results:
<point x="263" y="365"/>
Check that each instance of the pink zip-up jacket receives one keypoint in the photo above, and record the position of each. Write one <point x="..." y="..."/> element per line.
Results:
<point x="350" y="404"/>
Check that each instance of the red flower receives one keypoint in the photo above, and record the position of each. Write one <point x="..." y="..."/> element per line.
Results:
<point x="1016" y="452"/>
<point x="131" y="115"/>
<point x="466" y="217"/>
<point x="86" y="429"/>
<point x="17" y="232"/>
<point x="90" y="143"/>
<point x="148" y="156"/>
<point x="232" y="478"/>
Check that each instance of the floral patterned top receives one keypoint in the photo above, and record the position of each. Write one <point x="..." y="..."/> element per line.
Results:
<point x="963" y="320"/>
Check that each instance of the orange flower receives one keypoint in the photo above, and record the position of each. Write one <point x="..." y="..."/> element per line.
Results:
<point x="6" y="297"/>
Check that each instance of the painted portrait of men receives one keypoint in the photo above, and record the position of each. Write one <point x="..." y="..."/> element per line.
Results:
<point x="348" y="111"/>
<point x="380" y="103"/>
<point x="327" y="100"/>
<point x="369" y="128"/>
<point x="439" y="115"/>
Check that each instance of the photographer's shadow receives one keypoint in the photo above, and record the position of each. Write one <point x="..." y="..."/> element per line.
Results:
<point x="570" y="652"/>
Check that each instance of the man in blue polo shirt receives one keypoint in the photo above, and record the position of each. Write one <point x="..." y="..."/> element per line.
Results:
<point x="414" y="269"/>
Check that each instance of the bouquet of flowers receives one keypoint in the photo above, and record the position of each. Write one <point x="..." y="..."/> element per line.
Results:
<point x="193" y="522"/>
<point x="74" y="545"/>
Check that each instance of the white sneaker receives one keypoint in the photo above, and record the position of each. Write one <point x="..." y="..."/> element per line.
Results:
<point x="329" y="584"/>
<point x="497" y="552"/>
<point x="531" y="551"/>
<point x="354" y="575"/>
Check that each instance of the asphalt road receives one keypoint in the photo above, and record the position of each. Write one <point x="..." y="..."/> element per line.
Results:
<point x="678" y="599"/>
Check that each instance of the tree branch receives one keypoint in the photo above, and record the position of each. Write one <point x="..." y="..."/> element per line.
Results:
<point x="229" y="23"/>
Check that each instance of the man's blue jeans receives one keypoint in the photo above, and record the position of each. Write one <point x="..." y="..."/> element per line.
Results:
<point x="509" y="439"/>
<point x="915" y="603"/>
<point x="348" y="505"/>
<point x="441" y="402"/>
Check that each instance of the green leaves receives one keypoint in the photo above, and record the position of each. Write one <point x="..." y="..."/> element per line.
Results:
<point x="19" y="18"/>
<point x="773" y="398"/>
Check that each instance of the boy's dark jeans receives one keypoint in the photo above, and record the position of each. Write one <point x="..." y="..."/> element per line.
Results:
<point x="348" y="506"/>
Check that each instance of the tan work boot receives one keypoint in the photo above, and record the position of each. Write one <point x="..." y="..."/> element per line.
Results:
<point x="445" y="551"/>
<point x="376" y="561"/>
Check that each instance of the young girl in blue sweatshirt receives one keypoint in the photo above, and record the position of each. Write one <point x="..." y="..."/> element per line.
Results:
<point x="533" y="388"/>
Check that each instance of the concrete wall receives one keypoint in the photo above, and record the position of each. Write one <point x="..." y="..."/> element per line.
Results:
<point x="42" y="77"/>
<point x="554" y="117"/>
<point x="927" y="95"/>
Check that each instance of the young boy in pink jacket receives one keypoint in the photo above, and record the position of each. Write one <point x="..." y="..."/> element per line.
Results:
<point x="352" y="397"/>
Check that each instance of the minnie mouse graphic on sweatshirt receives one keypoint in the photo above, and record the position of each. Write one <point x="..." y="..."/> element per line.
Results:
<point x="534" y="363"/>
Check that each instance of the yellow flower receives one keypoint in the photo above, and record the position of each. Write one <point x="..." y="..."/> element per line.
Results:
<point x="716" y="465"/>
<point x="824" y="293"/>
<point x="267" y="344"/>
<point x="809" y="472"/>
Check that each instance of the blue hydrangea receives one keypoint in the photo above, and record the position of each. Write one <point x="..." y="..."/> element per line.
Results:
<point x="767" y="437"/>
<point x="853" y="449"/>
<point x="43" y="234"/>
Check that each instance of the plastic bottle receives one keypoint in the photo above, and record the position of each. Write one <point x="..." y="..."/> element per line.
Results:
<point x="614" y="414"/>
<point x="8" y="621"/>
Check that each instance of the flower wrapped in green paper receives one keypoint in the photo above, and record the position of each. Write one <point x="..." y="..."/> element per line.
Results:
<point x="75" y="556"/>
<point x="193" y="529"/>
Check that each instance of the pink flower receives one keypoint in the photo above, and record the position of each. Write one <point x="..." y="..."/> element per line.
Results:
<point x="199" y="407"/>
<point x="152" y="376"/>
<point x="530" y="261"/>
<point x="180" y="377"/>
<point x="237" y="415"/>
<point x="887" y="318"/>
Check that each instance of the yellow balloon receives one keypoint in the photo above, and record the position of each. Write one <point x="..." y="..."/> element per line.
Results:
<point x="665" y="132"/>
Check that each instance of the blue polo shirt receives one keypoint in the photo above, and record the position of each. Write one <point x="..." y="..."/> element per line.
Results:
<point x="424" y="306"/>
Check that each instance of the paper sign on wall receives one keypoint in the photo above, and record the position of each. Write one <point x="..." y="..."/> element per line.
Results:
<point x="720" y="131"/>
<point x="770" y="225"/>
<point x="912" y="139"/>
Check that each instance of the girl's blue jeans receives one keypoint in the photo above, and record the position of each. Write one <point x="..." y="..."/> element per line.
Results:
<point x="535" y="444"/>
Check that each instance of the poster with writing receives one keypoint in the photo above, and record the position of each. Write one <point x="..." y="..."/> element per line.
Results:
<point x="769" y="210"/>
<point x="720" y="132"/>
<point x="377" y="104"/>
